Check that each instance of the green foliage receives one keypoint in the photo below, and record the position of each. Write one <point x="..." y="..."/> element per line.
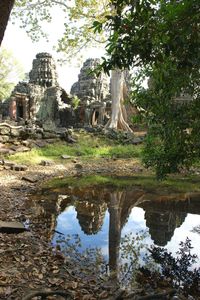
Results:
<point x="75" y="102"/>
<point x="161" y="39"/>
<point x="131" y="248"/>
<point x="90" y="260"/>
<point x="9" y="72"/>
<point x="179" y="271"/>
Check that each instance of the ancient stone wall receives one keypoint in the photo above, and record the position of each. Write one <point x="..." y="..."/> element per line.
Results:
<point x="10" y="133"/>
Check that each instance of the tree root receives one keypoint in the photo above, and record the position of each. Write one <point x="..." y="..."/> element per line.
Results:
<point x="10" y="126"/>
<point x="45" y="294"/>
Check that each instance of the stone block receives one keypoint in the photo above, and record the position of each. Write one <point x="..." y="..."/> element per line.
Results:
<point x="19" y="168"/>
<point x="20" y="148"/>
<point x="46" y="163"/>
<point x="15" y="132"/>
<point x="11" y="227"/>
<point x="64" y="156"/>
<point x="49" y="135"/>
<point x="4" y="151"/>
<point x="30" y="179"/>
<point x="4" y="130"/>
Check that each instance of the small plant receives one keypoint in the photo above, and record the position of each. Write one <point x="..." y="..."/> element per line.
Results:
<point x="75" y="102"/>
<point x="178" y="272"/>
<point x="131" y="249"/>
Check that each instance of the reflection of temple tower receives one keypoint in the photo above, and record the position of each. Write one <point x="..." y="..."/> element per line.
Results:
<point x="162" y="224"/>
<point x="90" y="216"/>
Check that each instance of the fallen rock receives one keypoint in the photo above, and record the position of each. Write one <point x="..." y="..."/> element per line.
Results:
<point x="45" y="163"/>
<point x="20" y="148"/>
<point x="30" y="179"/>
<point x="11" y="227"/>
<point x="7" y="163"/>
<point x="64" y="156"/>
<point x="78" y="166"/>
<point x="4" y="151"/>
<point x="40" y="143"/>
<point x="137" y="140"/>
<point x="19" y="168"/>
<point x="26" y="143"/>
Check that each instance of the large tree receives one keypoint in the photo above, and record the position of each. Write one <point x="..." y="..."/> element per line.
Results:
<point x="5" y="10"/>
<point x="161" y="38"/>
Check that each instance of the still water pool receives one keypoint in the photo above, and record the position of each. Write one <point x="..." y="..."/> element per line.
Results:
<point x="102" y="215"/>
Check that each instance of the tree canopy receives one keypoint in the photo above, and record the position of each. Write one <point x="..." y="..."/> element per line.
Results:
<point x="161" y="40"/>
<point x="78" y="17"/>
<point x="9" y="72"/>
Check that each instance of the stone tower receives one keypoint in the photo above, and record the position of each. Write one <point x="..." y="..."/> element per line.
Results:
<point x="89" y="86"/>
<point x="94" y="94"/>
<point x="41" y="98"/>
<point x="43" y="71"/>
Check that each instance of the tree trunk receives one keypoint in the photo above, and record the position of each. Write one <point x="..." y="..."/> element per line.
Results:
<point x="5" y="10"/>
<point x="118" y="113"/>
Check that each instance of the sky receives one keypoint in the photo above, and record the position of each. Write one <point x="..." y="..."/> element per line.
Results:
<point x="24" y="50"/>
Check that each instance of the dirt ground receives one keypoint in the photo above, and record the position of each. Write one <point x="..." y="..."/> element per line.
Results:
<point x="27" y="262"/>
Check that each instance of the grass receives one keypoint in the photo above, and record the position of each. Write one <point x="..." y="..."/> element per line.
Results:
<point x="88" y="146"/>
<point x="146" y="182"/>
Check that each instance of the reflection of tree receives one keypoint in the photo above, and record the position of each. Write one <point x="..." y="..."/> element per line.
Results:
<point x="120" y="206"/>
<point x="115" y="228"/>
<point x="196" y="229"/>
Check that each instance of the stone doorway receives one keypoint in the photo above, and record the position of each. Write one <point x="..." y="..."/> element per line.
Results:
<point x="20" y="110"/>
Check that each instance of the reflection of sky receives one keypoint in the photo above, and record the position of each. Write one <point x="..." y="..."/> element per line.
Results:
<point x="184" y="231"/>
<point x="67" y="223"/>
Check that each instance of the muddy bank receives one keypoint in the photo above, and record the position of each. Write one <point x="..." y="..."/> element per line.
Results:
<point x="27" y="261"/>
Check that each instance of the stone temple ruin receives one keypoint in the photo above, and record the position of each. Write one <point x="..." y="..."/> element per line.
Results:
<point x="94" y="93"/>
<point x="42" y="100"/>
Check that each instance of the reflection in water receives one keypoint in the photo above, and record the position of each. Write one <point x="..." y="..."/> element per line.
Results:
<point x="90" y="216"/>
<point x="163" y="214"/>
<point x="162" y="224"/>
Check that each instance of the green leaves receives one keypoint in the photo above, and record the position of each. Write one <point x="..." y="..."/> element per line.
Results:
<point x="10" y="72"/>
<point x="162" y="39"/>
<point x="97" y="26"/>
